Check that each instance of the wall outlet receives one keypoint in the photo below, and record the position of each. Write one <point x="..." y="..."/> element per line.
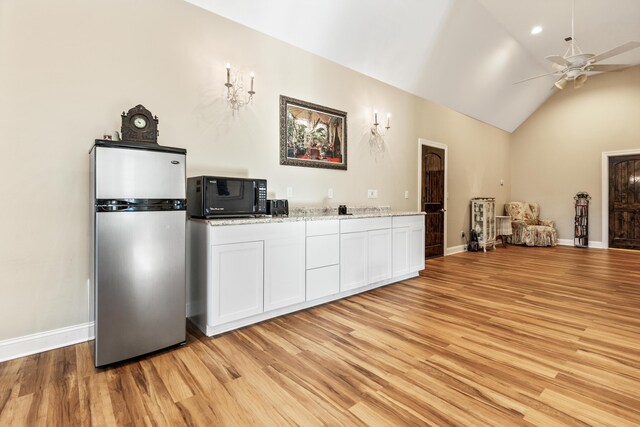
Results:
<point x="370" y="194"/>
<point x="406" y="194"/>
<point x="330" y="193"/>
<point x="462" y="234"/>
<point x="289" y="192"/>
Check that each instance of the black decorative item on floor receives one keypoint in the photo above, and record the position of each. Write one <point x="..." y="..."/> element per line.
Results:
<point x="139" y="125"/>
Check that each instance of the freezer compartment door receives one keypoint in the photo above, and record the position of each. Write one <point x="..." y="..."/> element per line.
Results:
<point x="140" y="283"/>
<point x="139" y="174"/>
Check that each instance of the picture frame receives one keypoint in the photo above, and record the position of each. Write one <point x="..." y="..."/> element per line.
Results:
<point x="312" y="135"/>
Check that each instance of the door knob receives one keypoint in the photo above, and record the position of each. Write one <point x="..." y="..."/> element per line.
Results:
<point x="443" y="210"/>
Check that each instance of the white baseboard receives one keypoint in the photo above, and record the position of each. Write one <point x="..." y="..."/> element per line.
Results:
<point x="569" y="242"/>
<point x="44" y="341"/>
<point x="455" y="249"/>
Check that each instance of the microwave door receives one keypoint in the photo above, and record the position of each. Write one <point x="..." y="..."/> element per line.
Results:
<point x="233" y="196"/>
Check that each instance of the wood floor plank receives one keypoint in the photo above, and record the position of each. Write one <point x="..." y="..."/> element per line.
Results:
<point x="515" y="336"/>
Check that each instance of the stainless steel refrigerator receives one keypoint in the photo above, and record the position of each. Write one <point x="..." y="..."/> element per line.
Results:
<point x="138" y="262"/>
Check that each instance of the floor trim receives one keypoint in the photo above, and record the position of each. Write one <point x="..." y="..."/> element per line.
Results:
<point x="592" y="245"/>
<point x="455" y="249"/>
<point x="43" y="341"/>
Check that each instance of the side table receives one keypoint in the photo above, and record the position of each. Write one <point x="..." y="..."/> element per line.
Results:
<point x="503" y="228"/>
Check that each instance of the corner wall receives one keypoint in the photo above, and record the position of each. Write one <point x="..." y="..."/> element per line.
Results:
<point x="69" y="68"/>
<point x="557" y="151"/>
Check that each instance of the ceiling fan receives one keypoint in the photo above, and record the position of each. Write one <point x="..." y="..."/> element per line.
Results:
<point x="575" y="64"/>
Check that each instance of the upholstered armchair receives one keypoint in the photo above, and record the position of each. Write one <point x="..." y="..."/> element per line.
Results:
<point x="528" y="228"/>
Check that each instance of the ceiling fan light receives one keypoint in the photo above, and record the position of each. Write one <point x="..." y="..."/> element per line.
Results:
<point x="560" y="84"/>
<point x="579" y="81"/>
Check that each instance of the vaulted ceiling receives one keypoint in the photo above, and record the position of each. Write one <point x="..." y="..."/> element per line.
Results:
<point x="464" y="54"/>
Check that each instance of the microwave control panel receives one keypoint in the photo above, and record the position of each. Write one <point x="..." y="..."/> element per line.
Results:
<point x="262" y="196"/>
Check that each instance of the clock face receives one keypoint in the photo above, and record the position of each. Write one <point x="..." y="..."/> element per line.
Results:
<point x="139" y="122"/>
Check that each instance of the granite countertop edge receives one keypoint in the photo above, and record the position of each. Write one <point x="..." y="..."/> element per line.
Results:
<point x="275" y="220"/>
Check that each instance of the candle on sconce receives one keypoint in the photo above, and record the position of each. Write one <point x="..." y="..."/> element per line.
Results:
<point x="388" y="119"/>
<point x="228" y="73"/>
<point x="252" y="77"/>
<point x="375" y="117"/>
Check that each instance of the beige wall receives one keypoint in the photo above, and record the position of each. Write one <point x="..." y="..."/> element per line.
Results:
<point x="69" y="68"/>
<point x="557" y="152"/>
<point x="478" y="161"/>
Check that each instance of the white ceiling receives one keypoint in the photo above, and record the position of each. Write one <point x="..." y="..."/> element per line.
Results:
<point x="464" y="54"/>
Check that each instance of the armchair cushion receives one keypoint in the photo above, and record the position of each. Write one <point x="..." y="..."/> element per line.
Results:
<point x="528" y="228"/>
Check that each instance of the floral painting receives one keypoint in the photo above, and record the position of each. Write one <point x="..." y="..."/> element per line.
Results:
<point x="312" y="135"/>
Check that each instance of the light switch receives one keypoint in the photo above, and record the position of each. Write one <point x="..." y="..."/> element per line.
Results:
<point x="406" y="194"/>
<point x="330" y="193"/>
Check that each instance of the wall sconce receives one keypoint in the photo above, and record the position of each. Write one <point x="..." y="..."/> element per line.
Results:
<point x="376" y="140"/>
<point x="235" y="88"/>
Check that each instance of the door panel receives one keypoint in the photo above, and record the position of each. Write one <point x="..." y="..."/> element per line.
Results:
<point x="379" y="255"/>
<point x="401" y="257"/>
<point x="284" y="272"/>
<point x="139" y="174"/>
<point x="237" y="281"/>
<point x="433" y="172"/>
<point x="140" y="295"/>
<point x="624" y="202"/>
<point x="353" y="260"/>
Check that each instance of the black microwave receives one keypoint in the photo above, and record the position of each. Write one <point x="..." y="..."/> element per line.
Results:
<point x="218" y="196"/>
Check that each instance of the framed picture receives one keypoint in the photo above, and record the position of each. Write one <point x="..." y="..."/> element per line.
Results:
<point x="312" y="135"/>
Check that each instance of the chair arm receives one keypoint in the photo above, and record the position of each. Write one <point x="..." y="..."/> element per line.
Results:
<point x="548" y="223"/>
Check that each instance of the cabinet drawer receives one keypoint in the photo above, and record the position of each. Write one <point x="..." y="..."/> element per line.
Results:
<point x="319" y="228"/>
<point x="408" y="221"/>
<point x="364" y="224"/>
<point x="323" y="250"/>
<point x="322" y="282"/>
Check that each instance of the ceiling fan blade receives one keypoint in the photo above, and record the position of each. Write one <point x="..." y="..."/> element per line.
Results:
<point x="557" y="59"/>
<point x="608" y="67"/>
<point x="616" y="51"/>
<point x="536" y="77"/>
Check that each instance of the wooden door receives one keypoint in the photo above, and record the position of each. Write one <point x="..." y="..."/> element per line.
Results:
<point x="433" y="200"/>
<point x="624" y="202"/>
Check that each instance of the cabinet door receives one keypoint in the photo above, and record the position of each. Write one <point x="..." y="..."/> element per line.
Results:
<point x="401" y="251"/>
<point x="353" y="260"/>
<point x="416" y="251"/>
<point x="322" y="282"/>
<point x="323" y="251"/>
<point x="236" y="279"/>
<point x="284" y="271"/>
<point x="379" y="254"/>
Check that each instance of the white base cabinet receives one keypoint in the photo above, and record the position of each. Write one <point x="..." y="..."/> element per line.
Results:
<point x="284" y="271"/>
<point x="236" y="281"/>
<point x="353" y="260"/>
<point x="323" y="258"/>
<point x="380" y="253"/>
<point x="365" y="252"/>
<point x="408" y="244"/>
<point x="243" y="274"/>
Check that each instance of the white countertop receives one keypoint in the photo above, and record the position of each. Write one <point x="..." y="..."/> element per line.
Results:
<point x="293" y="218"/>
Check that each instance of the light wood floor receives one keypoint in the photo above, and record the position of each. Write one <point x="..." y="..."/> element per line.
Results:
<point x="516" y="336"/>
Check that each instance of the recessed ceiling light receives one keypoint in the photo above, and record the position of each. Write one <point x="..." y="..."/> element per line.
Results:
<point x="536" y="30"/>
